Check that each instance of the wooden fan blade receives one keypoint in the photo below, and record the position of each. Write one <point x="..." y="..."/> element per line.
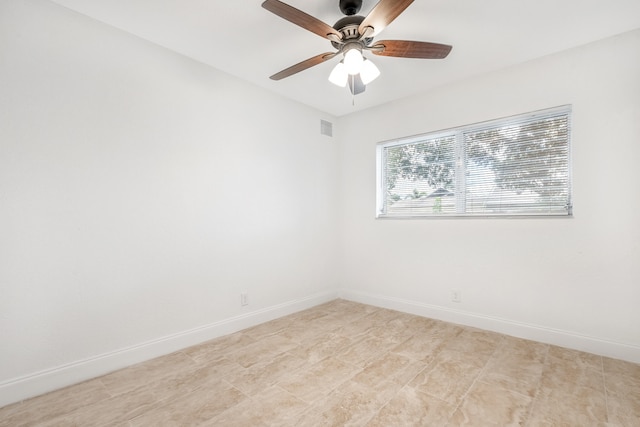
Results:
<point x="302" y="19"/>
<point x="382" y="15"/>
<point x="301" y="66"/>
<point x="411" y="49"/>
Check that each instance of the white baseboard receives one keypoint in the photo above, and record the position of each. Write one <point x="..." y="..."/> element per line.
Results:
<point x="538" y="333"/>
<point x="51" y="379"/>
<point x="42" y="382"/>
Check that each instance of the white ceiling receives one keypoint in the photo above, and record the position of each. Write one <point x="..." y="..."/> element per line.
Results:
<point x="243" y="39"/>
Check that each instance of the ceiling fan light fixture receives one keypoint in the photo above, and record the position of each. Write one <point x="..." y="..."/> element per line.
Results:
<point x="369" y="71"/>
<point x="350" y="36"/>
<point x="353" y="61"/>
<point x="339" y="75"/>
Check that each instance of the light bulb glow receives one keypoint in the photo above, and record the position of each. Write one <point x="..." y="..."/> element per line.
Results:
<point x="339" y="75"/>
<point x="369" y="72"/>
<point x="353" y="61"/>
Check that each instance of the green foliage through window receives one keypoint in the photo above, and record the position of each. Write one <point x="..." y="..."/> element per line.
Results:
<point x="513" y="166"/>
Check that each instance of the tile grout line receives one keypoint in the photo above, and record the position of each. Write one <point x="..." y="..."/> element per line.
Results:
<point x="246" y="397"/>
<point x="475" y="380"/>
<point x="375" y="414"/>
<point x="106" y="389"/>
<point x="406" y="385"/>
<point x="604" y="387"/>
<point x="535" y="396"/>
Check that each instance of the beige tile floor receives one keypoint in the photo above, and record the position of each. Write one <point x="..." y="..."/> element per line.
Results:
<point x="344" y="363"/>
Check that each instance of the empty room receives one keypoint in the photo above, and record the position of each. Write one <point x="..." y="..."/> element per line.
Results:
<point x="319" y="213"/>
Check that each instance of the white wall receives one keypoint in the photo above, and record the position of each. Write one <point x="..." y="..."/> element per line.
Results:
<point x="140" y="193"/>
<point x="573" y="282"/>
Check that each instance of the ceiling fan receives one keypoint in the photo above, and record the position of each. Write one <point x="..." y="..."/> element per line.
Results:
<point x="352" y="35"/>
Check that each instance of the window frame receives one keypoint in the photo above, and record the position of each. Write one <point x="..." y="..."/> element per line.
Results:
<point x="460" y="164"/>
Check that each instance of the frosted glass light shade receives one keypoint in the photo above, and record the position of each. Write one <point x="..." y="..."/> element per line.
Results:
<point x="339" y="75"/>
<point x="353" y="61"/>
<point x="369" y="72"/>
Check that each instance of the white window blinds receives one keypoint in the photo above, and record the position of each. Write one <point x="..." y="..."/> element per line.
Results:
<point x="415" y="173"/>
<point x="513" y="166"/>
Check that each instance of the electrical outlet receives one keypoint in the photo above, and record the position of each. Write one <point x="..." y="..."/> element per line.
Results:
<point x="244" y="298"/>
<point x="456" y="296"/>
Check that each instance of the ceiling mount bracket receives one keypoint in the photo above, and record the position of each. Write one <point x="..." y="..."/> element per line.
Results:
<point x="350" y="7"/>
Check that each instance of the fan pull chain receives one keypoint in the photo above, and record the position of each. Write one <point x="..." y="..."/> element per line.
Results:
<point x="353" y="92"/>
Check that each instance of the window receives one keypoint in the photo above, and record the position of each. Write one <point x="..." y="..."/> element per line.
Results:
<point x="507" y="167"/>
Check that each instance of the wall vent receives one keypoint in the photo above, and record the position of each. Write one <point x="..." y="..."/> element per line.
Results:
<point x="326" y="128"/>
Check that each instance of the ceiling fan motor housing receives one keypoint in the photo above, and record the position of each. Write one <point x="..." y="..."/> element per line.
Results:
<point x="348" y="27"/>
